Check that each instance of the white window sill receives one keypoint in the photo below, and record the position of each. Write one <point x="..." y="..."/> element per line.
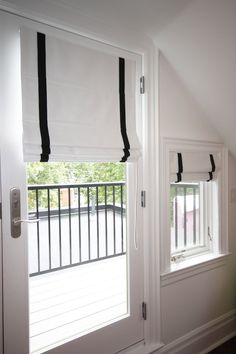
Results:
<point x="192" y="266"/>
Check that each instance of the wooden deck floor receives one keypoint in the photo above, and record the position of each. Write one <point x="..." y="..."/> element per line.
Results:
<point x="70" y="303"/>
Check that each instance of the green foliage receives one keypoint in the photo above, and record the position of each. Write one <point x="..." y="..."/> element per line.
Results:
<point x="73" y="173"/>
<point x="64" y="173"/>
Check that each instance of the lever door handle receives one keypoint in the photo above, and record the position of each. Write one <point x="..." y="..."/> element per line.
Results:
<point x="15" y="213"/>
<point x="17" y="221"/>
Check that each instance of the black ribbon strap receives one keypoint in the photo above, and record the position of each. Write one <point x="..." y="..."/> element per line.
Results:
<point x="213" y="168"/>
<point x="180" y="168"/>
<point x="122" y="109"/>
<point x="42" y="92"/>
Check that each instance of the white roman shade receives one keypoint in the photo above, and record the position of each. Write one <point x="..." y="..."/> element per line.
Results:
<point x="194" y="166"/>
<point x="78" y="102"/>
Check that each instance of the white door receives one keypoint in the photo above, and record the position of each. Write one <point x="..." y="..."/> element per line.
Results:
<point x="107" y="340"/>
<point x="15" y="280"/>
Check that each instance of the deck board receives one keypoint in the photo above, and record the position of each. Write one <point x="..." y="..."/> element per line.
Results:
<point x="69" y="303"/>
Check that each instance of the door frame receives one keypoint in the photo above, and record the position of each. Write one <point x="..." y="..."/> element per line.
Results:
<point x="1" y="285"/>
<point x="150" y="55"/>
<point x="13" y="174"/>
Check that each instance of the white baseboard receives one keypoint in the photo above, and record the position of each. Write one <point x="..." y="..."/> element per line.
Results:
<point x="219" y="342"/>
<point x="205" y="338"/>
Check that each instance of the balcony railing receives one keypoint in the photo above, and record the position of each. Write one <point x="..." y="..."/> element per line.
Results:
<point x="185" y="231"/>
<point x="79" y="223"/>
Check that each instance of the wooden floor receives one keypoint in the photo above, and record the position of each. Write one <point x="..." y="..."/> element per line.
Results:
<point x="70" y="303"/>
<point x="228" y="347"/>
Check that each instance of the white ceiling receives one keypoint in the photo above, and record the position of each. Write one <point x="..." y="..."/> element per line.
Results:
<point x="198" y="38"/>
<point x="148" y="16"/>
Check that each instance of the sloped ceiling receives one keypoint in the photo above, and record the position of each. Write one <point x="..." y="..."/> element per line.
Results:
<point x="148" y="16"/>
<point x="198" y="38"/>
<point x="200" y="45"/>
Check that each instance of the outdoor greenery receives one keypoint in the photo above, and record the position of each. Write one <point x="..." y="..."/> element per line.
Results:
<point x="73" y="173"/>
<point x="67" y="172"/>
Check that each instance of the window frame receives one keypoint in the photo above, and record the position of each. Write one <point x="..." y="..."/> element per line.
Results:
<point x="215" y="200"/>
<point x="204" y="245"/>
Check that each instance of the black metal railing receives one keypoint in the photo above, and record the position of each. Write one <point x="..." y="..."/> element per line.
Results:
<point x="184" y="216"/>
<point x="79" y="223"/>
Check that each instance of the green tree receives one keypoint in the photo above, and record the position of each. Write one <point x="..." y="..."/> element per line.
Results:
<point x="73" y="173"/>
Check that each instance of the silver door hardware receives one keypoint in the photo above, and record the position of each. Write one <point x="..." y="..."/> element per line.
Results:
<point x="17" y="221"/>
<point x="142" y="85"/>
<point x="143" y="199"/>
<point x="209" y="233"/>
<point x="144" y="310"/>
<point x="16" y="213"/>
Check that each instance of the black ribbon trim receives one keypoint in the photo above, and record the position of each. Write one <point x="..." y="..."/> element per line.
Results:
<point x="180" y="168"/>
<point x="213" y="168"/>
<point x="42" y="92"/>
<point x="122" y="110"/>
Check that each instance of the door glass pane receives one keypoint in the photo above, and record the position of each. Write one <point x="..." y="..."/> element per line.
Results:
<point x="77" y="250"/>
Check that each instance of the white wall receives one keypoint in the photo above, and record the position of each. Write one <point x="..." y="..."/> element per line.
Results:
<point x="180" y="115"/>
<point x="200" y="44"/>
<point x="192" y="302"/>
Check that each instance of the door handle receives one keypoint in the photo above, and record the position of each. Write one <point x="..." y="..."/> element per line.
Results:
<point x="17" y="221"/>
<point x="15" y="213"/>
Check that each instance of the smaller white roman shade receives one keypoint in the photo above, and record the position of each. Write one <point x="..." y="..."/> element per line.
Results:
<point x="194" y="166"/>
<point x="78" y="102"/>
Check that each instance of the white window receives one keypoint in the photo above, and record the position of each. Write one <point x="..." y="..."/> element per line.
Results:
<point x="193" y="220"/>
<point x="190" y="223"/>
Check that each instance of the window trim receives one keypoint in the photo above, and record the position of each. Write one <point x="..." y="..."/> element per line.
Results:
<point x="203" y="243"/>
<point x="220" y="243"/>
<point x="204" y="263"/>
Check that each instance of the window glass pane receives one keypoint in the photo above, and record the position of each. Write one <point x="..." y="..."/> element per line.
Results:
<point x="185" y="216"/>
<point x="77" y="251"/>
